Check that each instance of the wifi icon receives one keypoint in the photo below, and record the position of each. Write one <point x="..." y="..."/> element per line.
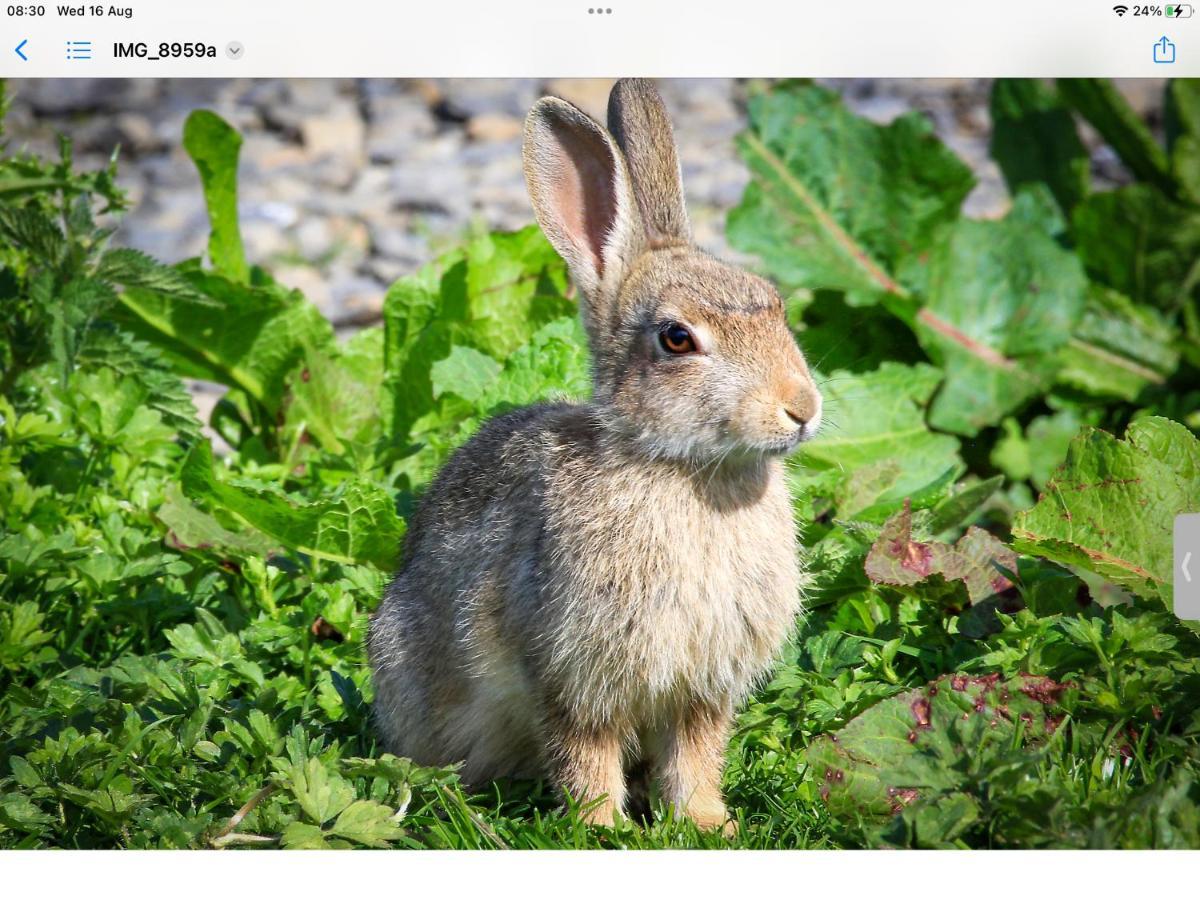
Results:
<point x="1120" y="10"/>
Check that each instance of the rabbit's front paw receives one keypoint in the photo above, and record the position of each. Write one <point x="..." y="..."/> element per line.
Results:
<point x="604" y="813"/>
<point x="712" y="819"/>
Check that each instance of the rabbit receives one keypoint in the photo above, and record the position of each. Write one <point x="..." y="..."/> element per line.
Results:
<point x="590" y="588"/>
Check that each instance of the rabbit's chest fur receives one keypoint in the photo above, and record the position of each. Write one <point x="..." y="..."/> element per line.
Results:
<point x="665" y="587"/>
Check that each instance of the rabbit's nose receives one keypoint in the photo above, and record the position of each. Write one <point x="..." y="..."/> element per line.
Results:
<point x="800" y="418"/>
<point x="802" y="407"/>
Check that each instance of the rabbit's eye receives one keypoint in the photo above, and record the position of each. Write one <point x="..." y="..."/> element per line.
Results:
<point x="674" y="338"/>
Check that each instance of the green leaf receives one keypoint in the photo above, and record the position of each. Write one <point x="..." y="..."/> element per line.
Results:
<point x="19" y="813"/>
<point x="465" y="372"/>
<point x="922" y="746"/>
<point x="214" y="146"/>
<point x="367" y="823"/>
<point x="114" y="409"/>
<point x="336" y="394"/>
<point x="836" y="201"/>
<point x="490" y="296"/>
<point x="355" y="522"/>
<point x="1118" y="349"/>
<point x="190" y="528"/>
<point x="1041" y="449"/>
<point x="1034" y="140"/>
<point x="976" y="560"/>
<point x="35" y="232"/>
<point x="1000" y="300"/>
<point x="1111" y="506"/>
<point x="962" y="504"/>
<point x="1182" y="113"/>
<point x="22" y="637"/>
<point x="134" y="269"/>
<point x="1098" y="101"/>
<point x="322" y="794"/>
<point x="877" y="442"/>
<point x="133" y="359"/>
<point x="253" y="341"/>
<point x="1142" y="244"/>
<point x="553" y="365"/>
<point x="303" y="836"/>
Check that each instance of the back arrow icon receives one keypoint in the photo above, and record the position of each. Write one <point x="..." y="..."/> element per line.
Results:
<point x="1187" y="558"/>
<point x="19" y="47"/>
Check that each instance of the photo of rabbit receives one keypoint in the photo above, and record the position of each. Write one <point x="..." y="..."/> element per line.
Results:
<point x="573" y="463"/>
<point x="592" y="589"/>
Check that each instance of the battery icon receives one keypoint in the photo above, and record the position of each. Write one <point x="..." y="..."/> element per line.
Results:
<point x="1178" y="11"/>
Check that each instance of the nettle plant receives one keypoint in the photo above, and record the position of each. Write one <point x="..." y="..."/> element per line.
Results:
<point x="987" y="658"/>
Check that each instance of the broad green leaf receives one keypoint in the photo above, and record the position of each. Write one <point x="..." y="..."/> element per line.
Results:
<point x="19" y="813"/>
<point x="190" y="528"/>
<point x="1000" y="300"/>
<point x="1171" y="443"/>
<point x="491" y="296"/>
<point x="1035" y="141"/>
<point x="1111" y="506"/>
<point x="466" y="372"/>
<point x="922" y="746"/>
<point x="876" y="440"/>
<point x="214" y="147"/>
<point x="553" y="365"/>
<point x="836" y="201"/>
<point x="1035" y="453"/>
<point x="336" y="393"/>
<point x="1098" y="101"/>
<point x="253" y="341"/>
<point x="1182" y="113"/>
<point x="355" y="522"/>
<point x="1118" y="349"/>
<point x="962" y="504"/>
<point x="976" y="560"/>
<point x="1141" y="244"/>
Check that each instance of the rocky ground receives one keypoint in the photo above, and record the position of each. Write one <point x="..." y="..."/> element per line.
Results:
<point x="347" y="185"/>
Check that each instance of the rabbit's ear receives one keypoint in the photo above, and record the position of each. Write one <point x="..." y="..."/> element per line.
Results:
<point x="581" y="195"/>
<point x="638" y="120"/>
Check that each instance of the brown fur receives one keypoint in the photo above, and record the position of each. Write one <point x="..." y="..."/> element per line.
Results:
<point x="587" y="588"/>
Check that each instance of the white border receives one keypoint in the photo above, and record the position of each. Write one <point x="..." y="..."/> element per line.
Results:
<point x="572" y="875"/>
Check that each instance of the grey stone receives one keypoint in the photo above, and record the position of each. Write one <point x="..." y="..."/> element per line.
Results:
<point x="398" y="122"/>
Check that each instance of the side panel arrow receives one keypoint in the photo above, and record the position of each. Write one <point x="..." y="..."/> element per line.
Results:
<point x="1187" y="558"/>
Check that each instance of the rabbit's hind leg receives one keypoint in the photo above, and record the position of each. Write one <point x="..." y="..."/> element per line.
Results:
<point x="495" y="729"/>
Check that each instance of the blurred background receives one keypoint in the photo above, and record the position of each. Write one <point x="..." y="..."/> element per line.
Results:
<point x="346" y="185"/>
